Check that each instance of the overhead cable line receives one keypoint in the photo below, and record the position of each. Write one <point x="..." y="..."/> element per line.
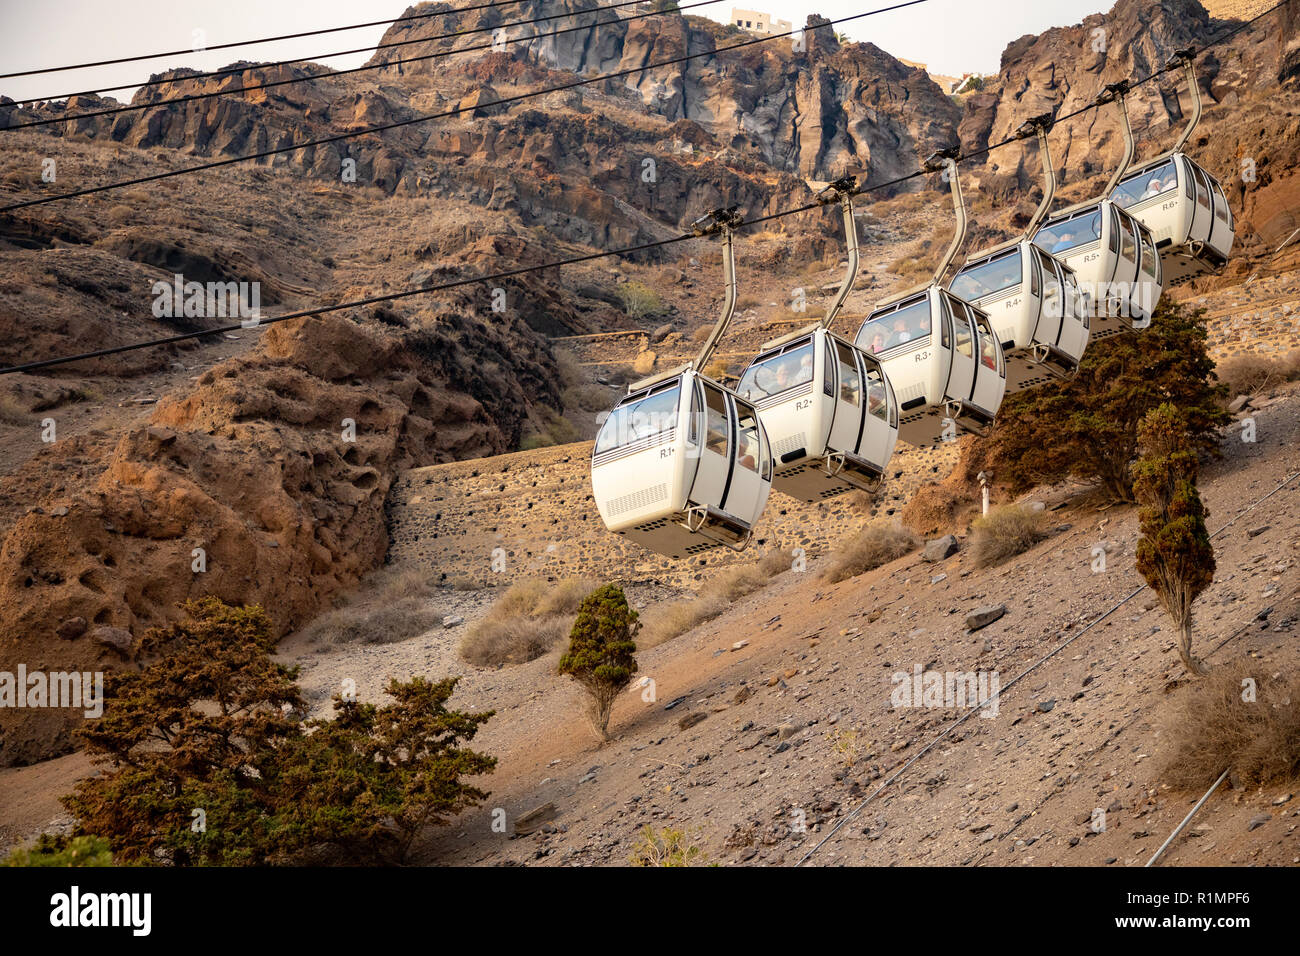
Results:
<point x="134" y="107"/>
<point x="405" y="293"/>
<point x="238" y="43"/>
<point x="424" y="118"/>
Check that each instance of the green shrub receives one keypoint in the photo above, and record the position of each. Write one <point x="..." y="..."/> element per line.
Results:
<point x="1087" y="428"/>
<point x="1174" y="553"/>
<point x="212" y="724"/>
<point x="600" y="656"/>
<point x="63" y="851"/>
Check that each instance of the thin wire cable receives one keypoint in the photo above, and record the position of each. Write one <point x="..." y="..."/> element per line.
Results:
<point x="99" y="353"/>
<point x="134" y="107"/>
<point x="424" y="118"/>
<point x="237" y="43"/>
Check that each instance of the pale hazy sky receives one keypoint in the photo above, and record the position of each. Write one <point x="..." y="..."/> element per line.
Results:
<point x="951" y="36"/>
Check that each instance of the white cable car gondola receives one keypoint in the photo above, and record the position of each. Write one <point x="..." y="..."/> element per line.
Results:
<point x="1032" y="299"/>
<point x="683" y="464"/>
<point x="827" y="406"/>
<point x="1182" y="204"/>
<point x="1112" y="254"/>
<point x="938" y="351"/>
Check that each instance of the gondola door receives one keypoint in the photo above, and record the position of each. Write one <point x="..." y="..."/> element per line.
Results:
<point x="961" y="370"/>
<point x="713" y="477"/>
<point x="847" y="424"/>
<point x="751" y="472"/>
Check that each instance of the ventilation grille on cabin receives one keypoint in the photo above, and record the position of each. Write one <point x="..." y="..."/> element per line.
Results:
<point x="797" y="440"/>
<point x="638" y="499"/>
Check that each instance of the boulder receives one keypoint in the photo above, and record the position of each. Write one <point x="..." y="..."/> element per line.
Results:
<point x="984" y="616"/>
<point x="940" y="548"/>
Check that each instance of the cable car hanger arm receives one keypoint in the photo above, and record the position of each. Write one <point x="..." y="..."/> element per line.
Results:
<point x="946" y="159"/>
<point x="720" y="222"/>
<point x="843" y="191"/>
<point x="1188" y="59"/>
<point x="1041" y="125"/>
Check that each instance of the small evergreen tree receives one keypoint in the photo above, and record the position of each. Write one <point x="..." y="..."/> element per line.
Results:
<point x="1174" y="554"/>
<point x="1086" y="428"/>
<point x="600" y="655"/>
<point x="210" y="762"/>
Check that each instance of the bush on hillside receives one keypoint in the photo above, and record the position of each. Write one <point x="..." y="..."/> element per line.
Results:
<point x="1087" y="428"/>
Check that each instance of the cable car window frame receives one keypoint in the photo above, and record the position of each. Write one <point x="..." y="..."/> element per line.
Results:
<point x="877" y="376"/>
<point x="985" y="327"/>
<point x="1083" y="217"/>
<point x="1114" y="230"/>
<point x="1150" y="256"/>
<point x="1128" y="239"/>
<point x="974" y="273"/>
<point x="784" y="353"/>
<point x="620" y="422"/>
<point x="1221" y="210"/>
<point x="745" y="411"/>
<point x="711" y="389"/>
<point x="911" y="344"/>
<point x="961" y="321"/>
<point x="1127" y="198"/>
<point x="1202" y="187"/>
<point x="847" y="364"/>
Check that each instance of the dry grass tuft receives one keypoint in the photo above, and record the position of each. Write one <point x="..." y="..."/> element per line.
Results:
<point x="878" y="543"/>
<point x="381" y="624"/>
<point x="1006" y="532"/>
<point x="1211" y="727"/>
<point x="1251" y="374"/>
<point x="718" y="594"/>
<point x="525" y="622"/>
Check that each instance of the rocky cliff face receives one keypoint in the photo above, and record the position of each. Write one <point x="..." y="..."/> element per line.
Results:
<point x="819" y="111"/>
<point x="1248" y="91"/>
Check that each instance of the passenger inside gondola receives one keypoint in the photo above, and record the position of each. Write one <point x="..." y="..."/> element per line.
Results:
<point x="1067" y="235"/>
<point x="773" y="375"/>
<point x="989" y="278"/>
<point x="1146" y="185"/>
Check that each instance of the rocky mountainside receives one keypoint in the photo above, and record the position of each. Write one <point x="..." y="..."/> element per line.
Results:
<point x="233" y="445"/>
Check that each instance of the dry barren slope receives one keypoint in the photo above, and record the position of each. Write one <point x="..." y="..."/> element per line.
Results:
<point x="1018" y="788"/>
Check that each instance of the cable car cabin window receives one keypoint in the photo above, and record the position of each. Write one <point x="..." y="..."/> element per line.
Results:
<point x="715" y="420"/>
<point x="909" y="325"/>
<point x="748" y="452"/>
<point x="1114" y="229"/>
<point x="1070" y="233"/>
<point x="975" y="282"/>
<point x="649" y="416"/>
<point x="773" y="375"/>
<point x="964" y="335"/>
<point x="1034" y="278"/>
<point x="1128" y="241"/>
<point x="1188" y="187"/>
<point x="988" y="345"/>
<point x="850" y="383"/>
<point x="1202" y="188"/>
<point x="1220" y="202"/>
<point x="1149" y="256"/>
<point x="877" y="396"/>
<point x="1146" y="185"/>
